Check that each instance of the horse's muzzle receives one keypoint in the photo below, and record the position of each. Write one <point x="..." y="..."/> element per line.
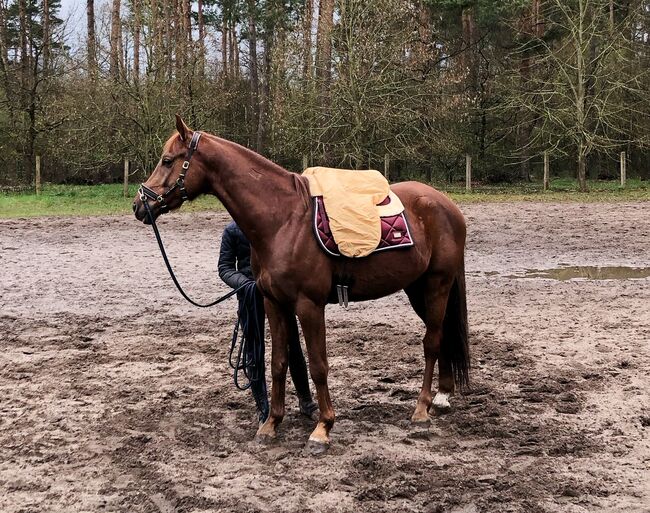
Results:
<point x="140" y="212"/>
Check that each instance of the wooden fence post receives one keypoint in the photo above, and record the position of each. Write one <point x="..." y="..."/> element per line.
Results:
<point x="126" y="178"/>
<point x="386" y="166"/>
<point x="468" y="173"/>
<point x="547" y="175"/>
<point x="37" y="178"/>
<point x="305" y="161"/>
<point x="623" y="169"/>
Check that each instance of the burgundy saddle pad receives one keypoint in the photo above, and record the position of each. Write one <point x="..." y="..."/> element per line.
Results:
<point x="395" y="231"/>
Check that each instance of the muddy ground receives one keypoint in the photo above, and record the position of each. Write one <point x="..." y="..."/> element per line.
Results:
<point x="117" y="396"/>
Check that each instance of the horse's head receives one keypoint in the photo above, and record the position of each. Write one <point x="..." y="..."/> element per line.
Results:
<point x="174" y="179"/>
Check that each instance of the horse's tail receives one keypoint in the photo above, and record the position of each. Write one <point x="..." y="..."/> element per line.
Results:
<point x="455" y="332"/>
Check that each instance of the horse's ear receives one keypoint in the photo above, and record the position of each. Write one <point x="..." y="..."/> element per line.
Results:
<point x="183" y="130"/>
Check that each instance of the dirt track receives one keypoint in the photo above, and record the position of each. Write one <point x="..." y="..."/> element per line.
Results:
<point x="116" y="396"/>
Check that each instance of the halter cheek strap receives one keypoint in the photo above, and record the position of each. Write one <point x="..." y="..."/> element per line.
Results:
<point x="148" y="194"/>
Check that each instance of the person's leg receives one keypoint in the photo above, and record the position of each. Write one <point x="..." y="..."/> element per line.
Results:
<point x="254" y="335"/>
<point x="299" y="375"/>
<point x="260" y="395"/>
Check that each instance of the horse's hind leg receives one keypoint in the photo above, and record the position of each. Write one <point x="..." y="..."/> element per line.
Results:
<point x="453" y="360"/>
<point x="428" y="296"/>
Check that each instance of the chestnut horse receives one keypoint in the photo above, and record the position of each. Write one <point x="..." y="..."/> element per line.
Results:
<point x="274" y="210"/>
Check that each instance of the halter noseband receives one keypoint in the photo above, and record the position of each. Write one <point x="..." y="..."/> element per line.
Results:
<point x="148" y="194"/>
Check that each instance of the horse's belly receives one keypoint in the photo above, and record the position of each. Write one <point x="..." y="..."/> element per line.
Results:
<point x="378" y="275"/>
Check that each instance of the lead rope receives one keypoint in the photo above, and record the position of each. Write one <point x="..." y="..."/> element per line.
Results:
<point x="171" y="272"/>
<point x="250" y="360"/>
<point x="249" y="349"/>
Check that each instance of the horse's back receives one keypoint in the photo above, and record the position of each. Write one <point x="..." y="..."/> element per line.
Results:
<point x="422" y="199"/>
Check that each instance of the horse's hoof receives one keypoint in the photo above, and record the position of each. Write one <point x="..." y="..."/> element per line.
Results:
<point x="420" y="421"/>
<point x="441" y="403"/>
<point x="315" y="448"/>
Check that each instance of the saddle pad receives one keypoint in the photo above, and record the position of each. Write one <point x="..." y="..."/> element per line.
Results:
<point x="356" y="201"/>
<point x="395" y="231"/>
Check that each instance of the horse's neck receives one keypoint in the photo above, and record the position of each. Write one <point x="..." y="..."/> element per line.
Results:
<point x="258" y="194"/>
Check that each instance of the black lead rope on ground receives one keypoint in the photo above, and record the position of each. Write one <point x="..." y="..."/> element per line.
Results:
<point x="171" y="272"/>
<point x="249" y="347"/>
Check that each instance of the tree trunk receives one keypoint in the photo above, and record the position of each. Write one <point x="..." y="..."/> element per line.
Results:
<point x="235" y="44"/>
<point x="4" y="63"/>
<point x="124" y="54"/>
<point x="179" y="32"/>
<point x="186" y="32"/>
<point x="307" y="20"/>
<point x="582" y="170"/>
<point x="266" y="93"/>
<point x="224" y="48"/>
<point x="324" y="45"/>
<point x="468" y="59"/>
<point x="187" y="20"/>
<point x="201" y="45"/>
<point x="4" y="46"/>
<point x="524" y="129"/>
<point x="255" y="84"/>
<point x="46" y="35"/>
<point x="156" y="40"/>
<point x="91" y="41"/>
<point x="167" y="55"/>
<point x="424" y="34"/>
<point x="580" y="101"/>
<point x="27" y="98"/>
<point x="115" y="53"/>
<point x="231" y="48"/>
<point x="24" y="57"/>
<point x="539" y="22"/>
<point x="137" y="29"/>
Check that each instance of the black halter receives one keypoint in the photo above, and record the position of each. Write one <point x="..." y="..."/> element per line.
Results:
<point x="148" y="194"/>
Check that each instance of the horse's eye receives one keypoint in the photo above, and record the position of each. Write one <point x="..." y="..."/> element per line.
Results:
<point x="167" y="162"/>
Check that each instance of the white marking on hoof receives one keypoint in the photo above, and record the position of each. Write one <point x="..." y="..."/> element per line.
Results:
<point x="441" y="401"/>
<point x="312" y="438"/>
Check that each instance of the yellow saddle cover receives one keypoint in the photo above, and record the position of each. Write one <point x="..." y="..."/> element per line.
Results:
<point x="351" y="199"/>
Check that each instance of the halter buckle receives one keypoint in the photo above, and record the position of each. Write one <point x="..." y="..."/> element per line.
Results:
<point x="160" y="199"/>
<point x="186" y="165"/>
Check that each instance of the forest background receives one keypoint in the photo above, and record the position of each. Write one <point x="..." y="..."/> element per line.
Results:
<point x="346" y="83"/>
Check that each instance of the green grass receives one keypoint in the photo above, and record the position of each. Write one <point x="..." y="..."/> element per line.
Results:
<point x="84" y="200"/>
<point x="561" y="190"/>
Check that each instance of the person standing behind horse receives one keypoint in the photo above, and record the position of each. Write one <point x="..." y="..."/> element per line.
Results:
<point x="235" y="271"/>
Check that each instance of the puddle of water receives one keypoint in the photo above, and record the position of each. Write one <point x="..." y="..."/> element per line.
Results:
<point x="587" y="273"/>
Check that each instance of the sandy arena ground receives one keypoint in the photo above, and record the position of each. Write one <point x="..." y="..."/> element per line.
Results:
<point x="117" y="395"/>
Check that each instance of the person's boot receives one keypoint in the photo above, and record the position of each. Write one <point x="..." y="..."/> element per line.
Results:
<point x="308" y="407"/>
<point x="258" y="389"/>
<point x="300" y="378"/>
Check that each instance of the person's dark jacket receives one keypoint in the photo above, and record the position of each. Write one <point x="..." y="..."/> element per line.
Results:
<point x="235" y="257"/>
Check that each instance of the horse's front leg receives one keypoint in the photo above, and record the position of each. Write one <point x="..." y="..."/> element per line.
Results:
<point x="312" y="320"/>
<point x="279" y="322"/>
